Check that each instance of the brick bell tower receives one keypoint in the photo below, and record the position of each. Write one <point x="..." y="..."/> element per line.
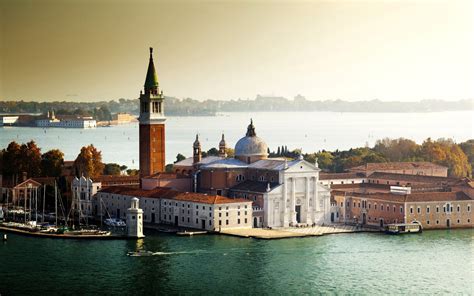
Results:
<point x="152" y="124"/>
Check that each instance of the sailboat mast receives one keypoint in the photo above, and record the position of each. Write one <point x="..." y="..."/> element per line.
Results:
<point x="56" y="202"/>
<point x="36" y="203"/>
<point x="44" y="197"/>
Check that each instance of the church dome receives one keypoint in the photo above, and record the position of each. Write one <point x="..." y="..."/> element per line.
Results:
<point x="251" y="145"/>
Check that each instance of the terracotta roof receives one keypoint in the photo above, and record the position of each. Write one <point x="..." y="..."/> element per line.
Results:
<point x="338" y="176"/>
<point x="208" y="199"/>
<point x="159" y="192"/>
<point x="437" y="196"/>
<point x="398" y="166"/>
<point x="166" y="176"/>
<point x="254" y="186"/>
<point x="414" y="178"/>
<point x="414" y="197"/>
<point x="168" y="193"/>
<point x="112" y="178"/>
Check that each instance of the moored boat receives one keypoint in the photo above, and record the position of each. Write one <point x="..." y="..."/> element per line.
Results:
<point x="113" y="222"/>
<point x="402" y="228"/>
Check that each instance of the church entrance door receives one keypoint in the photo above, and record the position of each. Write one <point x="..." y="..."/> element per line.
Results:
<point x="298" y="214"/>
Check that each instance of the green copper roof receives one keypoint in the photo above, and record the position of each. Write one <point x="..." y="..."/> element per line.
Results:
<point x="151" y="81"/>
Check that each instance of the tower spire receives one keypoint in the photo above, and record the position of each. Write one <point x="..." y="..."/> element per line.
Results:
<point x="151" y="80"/>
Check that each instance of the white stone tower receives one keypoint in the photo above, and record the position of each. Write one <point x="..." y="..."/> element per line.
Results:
<point x="135" y="220"/>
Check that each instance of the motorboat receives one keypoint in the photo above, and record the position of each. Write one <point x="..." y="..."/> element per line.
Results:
<point x="114" y="222"/>
<point x="140" y="253"/>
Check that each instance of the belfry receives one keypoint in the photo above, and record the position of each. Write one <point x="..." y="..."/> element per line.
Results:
<point x="152" y="124"/>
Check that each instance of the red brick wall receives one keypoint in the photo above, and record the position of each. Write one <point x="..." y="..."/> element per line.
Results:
<point x="152" y="149"/>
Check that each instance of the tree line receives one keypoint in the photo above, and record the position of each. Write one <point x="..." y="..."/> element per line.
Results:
<point x="18" y="159"/>
<point x="458" y="158"/>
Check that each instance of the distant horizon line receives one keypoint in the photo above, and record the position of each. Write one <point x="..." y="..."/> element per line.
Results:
<point x="237" y="99"/>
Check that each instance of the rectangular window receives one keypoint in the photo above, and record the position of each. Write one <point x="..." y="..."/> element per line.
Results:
<point x="428" y="209"/>
<point x="245" y="220"/>
<point x="238" y="221"/>
<point x="411" y="210"/>
<point x="226" y="222"/>
<point x="220" y="222"/>
<point x="418" y="210"/>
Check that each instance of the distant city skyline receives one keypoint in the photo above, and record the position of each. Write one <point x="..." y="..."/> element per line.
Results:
<point x="349" y="50"/>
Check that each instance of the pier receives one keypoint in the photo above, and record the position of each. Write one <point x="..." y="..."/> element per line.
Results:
<point x="280" y="233"/>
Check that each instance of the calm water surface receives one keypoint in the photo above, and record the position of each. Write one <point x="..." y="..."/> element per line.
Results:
<point x="434" y="262"/>
<point x="311" y="131"/>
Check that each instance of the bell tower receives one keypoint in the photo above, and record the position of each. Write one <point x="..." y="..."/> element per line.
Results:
<point x="152" y="124"/>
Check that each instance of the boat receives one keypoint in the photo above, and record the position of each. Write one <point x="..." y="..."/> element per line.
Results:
<point x="402" y="228"/>
<point x="113" y="222"/>
<point x="190" y="233"/>
<point x="140" y="253"/>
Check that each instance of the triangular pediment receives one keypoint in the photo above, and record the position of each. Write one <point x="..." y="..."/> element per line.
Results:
<point x="301" y="166"/>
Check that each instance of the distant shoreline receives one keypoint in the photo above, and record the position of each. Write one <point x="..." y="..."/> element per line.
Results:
<point x="192" y="107"/>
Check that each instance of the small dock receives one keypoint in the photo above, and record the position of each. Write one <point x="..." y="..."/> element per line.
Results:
<point x="63" y="236"/>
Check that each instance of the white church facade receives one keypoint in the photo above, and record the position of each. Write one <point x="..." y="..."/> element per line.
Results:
<point x="299" y="200"/>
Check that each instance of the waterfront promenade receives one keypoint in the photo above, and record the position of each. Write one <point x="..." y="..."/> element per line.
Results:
<point x="279" y="233"/>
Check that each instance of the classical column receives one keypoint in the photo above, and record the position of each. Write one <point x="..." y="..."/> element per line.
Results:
<point x="293" y="201"/>
<point x="315" y="196"/>
<point x="284" y="212"/>
<point x="308" y="205"/>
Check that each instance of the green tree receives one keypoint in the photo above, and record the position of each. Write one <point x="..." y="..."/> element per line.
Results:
<point x="11" y="159"/>
<point x="397" y="149"/>
<point x="169" y="168"/>
<point x="180" y="157"/>
<point x="112" y="169"/>
<point x="468" y="149"/>
<point x="132" y="172"/>
<point x="213" y="152"/>
<point x="51" y="163"/>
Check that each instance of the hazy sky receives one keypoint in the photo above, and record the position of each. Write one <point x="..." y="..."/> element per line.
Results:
<point x="94" y="50"/>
